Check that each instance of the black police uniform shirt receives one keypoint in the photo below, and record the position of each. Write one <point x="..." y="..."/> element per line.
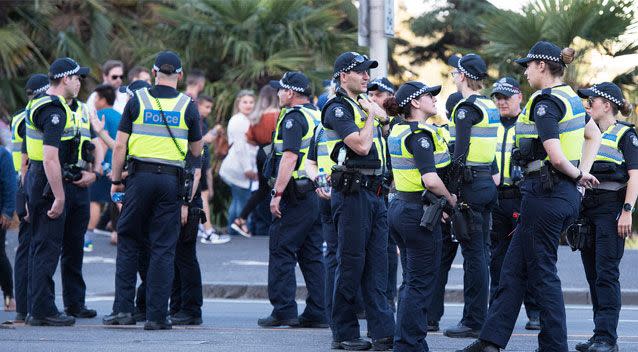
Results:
<point x="132" y="109"/>
<point x="470" y="117"/>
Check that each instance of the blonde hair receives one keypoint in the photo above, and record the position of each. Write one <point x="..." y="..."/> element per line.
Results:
<point x="242" y="93"/>
<point x="267" y="100"/>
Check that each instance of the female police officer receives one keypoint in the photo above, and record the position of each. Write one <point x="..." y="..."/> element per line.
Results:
<point x="552" y="137"/>
<point x="616" y="167"/>
<point x="416" y="153"/>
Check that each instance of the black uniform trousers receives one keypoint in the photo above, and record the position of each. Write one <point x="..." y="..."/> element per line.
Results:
<point x="296" y="238"/>
<point x="601" y="262"/>
<point x="78" y="212"/>
<point x="448" y="253"/>
<point x="21" y="261"/>
<point x="362" y="262"/>
<point x="47" y="239"/>
<point x="150" y="212"/>
<point x="531" y="262"/>
<point x="186" y="295"/>
<point x="503" y="225"/>
<point x="481" y="196"/>
<point x="421" y="249"/>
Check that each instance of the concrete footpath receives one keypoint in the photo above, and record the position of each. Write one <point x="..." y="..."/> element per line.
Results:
<point x="239" y="269"/>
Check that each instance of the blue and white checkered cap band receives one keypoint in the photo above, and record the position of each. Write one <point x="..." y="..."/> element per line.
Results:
<point x="346" y="69"/>
<point x="380" y="84"/>
<point x="129" y="91"/>
<point x="543" y="57"/>
<point x="177" y="70"/>
<point x="67" y="73"/>
<point x="414" y="95"/>
<point x="287" y="86"/>
<point x="505" y="86"/>
<point x="41" y="90"/>
<point x="606" y="96"/>
<point x="467" y="73"/>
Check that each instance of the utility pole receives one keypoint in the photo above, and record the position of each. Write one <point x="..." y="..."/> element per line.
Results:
<point x="376" y="24"/>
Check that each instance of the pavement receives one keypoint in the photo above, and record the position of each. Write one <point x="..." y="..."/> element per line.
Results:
<point x="231" y="325"/>
<point x="239" y="269"/>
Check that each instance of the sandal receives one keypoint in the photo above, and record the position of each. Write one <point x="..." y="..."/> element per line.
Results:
<point x="240" y="226"/>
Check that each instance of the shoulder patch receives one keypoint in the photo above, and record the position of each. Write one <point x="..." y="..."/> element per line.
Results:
<point x="425" y="144"/>
<point x="55" y="119"/>
<point x="338" y="112"/>
<point x="541" y="110"/>
<point x="460" y="114"/>
<point x="634" y="140"/>
<point x="288" y="124"/>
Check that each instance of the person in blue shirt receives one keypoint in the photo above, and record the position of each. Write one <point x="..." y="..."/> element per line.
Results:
<point x="7" y="207"/>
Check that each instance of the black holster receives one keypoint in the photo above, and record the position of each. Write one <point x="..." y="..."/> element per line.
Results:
<point x="345" y="181"/>
<point x="462" y="222"/>
<point x="433" y="207"/>
<point x="188" y="233"/>
<point x="580" y="235"/>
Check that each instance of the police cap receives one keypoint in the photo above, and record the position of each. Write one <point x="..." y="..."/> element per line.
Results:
<point x="413" y="90"/>
<point x="295" y="81"/>
<point x="605" y="90"/>
<point x="506" y="86"/>
<point x="352" y="61"/>
<point x="36" y="84"/>
<point x="470" y="65"/>
<point x="66" y="66"/>
<point x="381" y="84"/>
<point x="167" y="62"/>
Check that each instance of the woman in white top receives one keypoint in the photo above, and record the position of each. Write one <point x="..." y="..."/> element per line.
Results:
<point x="239" y="168"/>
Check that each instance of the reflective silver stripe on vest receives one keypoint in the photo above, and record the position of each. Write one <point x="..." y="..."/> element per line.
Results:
<point x="402" y="163"/>
<point x="178" y="163"/>
<point x="16" y="146"/>
<point x="331" y="135"/>
<point x="484" y="132"/>
<point x="440" y="158"/>
<point x="146" y="100"/>
<point x="507" y="180"/>
<point x="183" y="100"/>
<point x="322" y="150"/>
<point x="46" y="100"/>
<point x="452" y="132"/>
<point x="611" y="153"/>
<point x="475" y="163"/>
<point x="34" y="134"/>
<point x="508" y="147"/>
<point x="159" y="131"/>
<point x="563" y="127"/>
<point x="85" y="132"/>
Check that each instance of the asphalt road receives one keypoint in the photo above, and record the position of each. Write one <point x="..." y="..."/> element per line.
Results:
<point x="230" y="325"/>
<point x="245" y="261"/>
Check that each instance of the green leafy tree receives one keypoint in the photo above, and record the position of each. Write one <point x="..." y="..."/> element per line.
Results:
<point x="586" y="25"/>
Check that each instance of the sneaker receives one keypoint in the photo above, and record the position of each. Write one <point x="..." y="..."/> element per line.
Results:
<point x="102" y="232"/>
<point x="214" y="238"/>
<point x="88" y="246"/>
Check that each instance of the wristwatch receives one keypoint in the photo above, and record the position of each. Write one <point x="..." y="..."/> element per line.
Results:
<point x="627" y="207"/>
<point x="117" y="183"/>
<point x="580" y="175"/>
<point x="275" y="194"/>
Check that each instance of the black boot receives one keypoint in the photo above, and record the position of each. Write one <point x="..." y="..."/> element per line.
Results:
<point x="54" y="320"/>
<point x="82" y="312"/>
<point x="480" y="346"/>
<point x="119" y="319"/>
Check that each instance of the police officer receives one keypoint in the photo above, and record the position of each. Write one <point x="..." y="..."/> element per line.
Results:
<point x="449" y="246"/>
<point x="379" y="90"/>
<point x="473" y="128"/>
<point x="552" y="135"/>
<point x="159" y="126"/>
<point x="85" y="171"/>
<point x="354" y="124"/>
<point x="417" y="154"/>
<point x="507" y="96"/>
<point x="295" y="234"/>
<point x="53" y="135"/>
<point x="36" y="84"/>
<point x="616" y="167"/>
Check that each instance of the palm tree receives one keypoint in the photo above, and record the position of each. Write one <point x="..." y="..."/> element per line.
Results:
<point x="589" y="26"/>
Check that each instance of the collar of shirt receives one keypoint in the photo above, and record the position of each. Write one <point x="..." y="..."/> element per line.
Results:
<point x="163" y="92"/>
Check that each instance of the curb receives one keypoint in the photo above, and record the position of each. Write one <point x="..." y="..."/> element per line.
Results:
<point x="452" y="294"/>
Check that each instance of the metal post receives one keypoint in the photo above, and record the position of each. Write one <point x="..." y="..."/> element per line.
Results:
<point x="378" y="40"/>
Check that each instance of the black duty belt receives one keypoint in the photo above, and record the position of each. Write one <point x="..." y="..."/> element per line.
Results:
<point x="480" y="171"/>
<point x="509" y="193"/>
<point x="138" y="166"/>
<point x="604" y="196"/>
<point x="410" y="197"/>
